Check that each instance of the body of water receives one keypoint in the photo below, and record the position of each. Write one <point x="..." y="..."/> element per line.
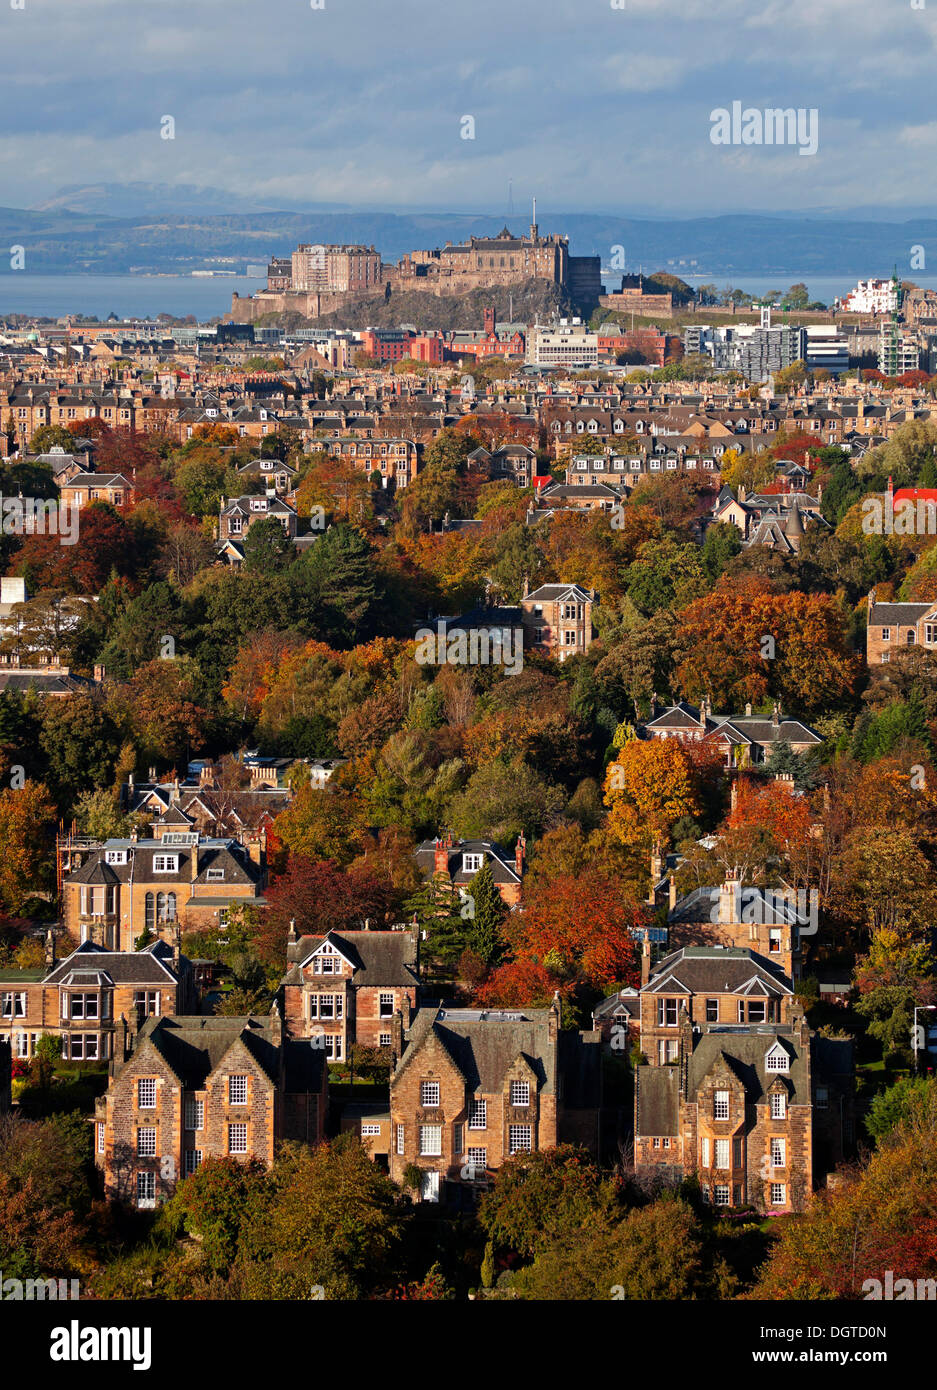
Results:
<point x="145" y="296"/>
<point x="127" y="296"/>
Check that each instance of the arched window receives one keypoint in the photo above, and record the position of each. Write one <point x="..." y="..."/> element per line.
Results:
<point x="910" y="636"/>
<point x="161" y="907"/>
<point x="150" y="917"/>
<point x="170" y="907"/>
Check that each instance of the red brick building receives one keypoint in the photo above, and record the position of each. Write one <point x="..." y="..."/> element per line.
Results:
<point x="346" y="987"/>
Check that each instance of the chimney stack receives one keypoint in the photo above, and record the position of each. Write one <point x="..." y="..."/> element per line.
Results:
<point x="50" y="948"/>
<point x="441" y="855"/>
<point x="645" y="960"/>
<point x="519" y="852"/>
<point x="672" y="893"/>
<point x="194" y="860"/>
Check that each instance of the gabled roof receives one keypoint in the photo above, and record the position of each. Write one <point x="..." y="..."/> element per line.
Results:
<point x="378" y="958"/>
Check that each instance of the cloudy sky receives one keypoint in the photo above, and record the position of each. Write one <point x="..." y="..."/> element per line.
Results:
<point x="362" y="102"/>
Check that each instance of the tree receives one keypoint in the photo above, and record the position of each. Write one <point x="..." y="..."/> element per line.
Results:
<point x="27" y="819"/>
<point x="538" y="1198"/>
<point x="503" y="800"/>
<point x="881" y="1216"/>
<point x="321" y="897"/>
<point x="267" y="547"/>
<point x="437" y="911"/>
<point x="656" y="1252"/>
<point x="580" y="926"/>
<point x="98" y="814"/>
<point x="331" y="1219"/>
<point x="215" y="1203"/>
<point x="649" y="787"/>
<point x="322" y="823"/>
<point x="486" y="914"/>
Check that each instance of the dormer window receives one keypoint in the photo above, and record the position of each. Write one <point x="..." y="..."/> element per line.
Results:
<point x="471" y="863"/>
<point x="116" y="856"/>
<point x="777" y="1060"/>
<point x="215" y="875"/>
<point x="165" y="863"/>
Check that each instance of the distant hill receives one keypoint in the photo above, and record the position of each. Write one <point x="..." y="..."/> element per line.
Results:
<point x="185" y="229"/>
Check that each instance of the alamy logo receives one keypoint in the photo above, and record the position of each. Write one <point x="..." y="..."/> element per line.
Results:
<point x="893" y="1290"/>
<point x="909" y="517"/>
<point x="77" y="1343"/>
<point x="479" y="646"/>
<point x="54" y="1290"/>
<point x="773" y="126"/>
<point x="37" y="516"/>
<point x="772" y="907"/>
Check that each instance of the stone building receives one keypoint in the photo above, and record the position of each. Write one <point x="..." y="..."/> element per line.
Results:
<point x="111" y="892"/>
<point x="239" y="514"/>
<point x="759" y="1114"/>
<point x="396" y="460"/>
<point x="346" y="987"/>
<point x="715" y="985"/>
<point x="184" y="1089"/>
<point x="744" y="739"/>
<point x="767" y="921"/>
<point x="81" y="998"/>
<point x="557" y="619"/>
<point x="335" y="269"/>
<point x="894" y="627"/>
<point x="471" y="1087"/>
<point x="460" y="860"/>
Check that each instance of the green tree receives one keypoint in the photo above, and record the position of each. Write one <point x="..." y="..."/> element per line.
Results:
<point x="486" y="914"/>
<point x="267" y="547"/>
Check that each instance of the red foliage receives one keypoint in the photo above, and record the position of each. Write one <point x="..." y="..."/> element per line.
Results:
<point x="321" y="897"/>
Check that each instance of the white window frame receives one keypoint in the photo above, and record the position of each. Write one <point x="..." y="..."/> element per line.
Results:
<point x="520" y="1139"/>
<point x="720" y="1105"/>
<point x="235" y="1132"/>
<point x="778" y="1153"/>
<point x="778" y="1105"/>
<point x="237" y="1088"/>
<point x="400" y="1139"/>
<point x="520" y="1093"/>
<point x="165" y="863"/>
<point x="429" y="1095"/>
<point x="146" y="1141"/>
<point x="146" y="1190"/>
<point x="148" y="1082"/>
<point x="478" y="1111"/>
<point x="430" y="1141"/>
<point x="723" y="1150"/>
<point x="194" y="1112"/>
<point x="192" y="1161"/>
<point x="778" y="1194"/>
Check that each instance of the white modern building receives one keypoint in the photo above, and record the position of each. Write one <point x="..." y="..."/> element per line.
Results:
<point x="871" y="297"/>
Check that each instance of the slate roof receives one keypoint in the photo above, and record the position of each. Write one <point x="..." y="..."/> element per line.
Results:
<point x="502" y="861"/>
<point x="485" y="1043"/>
<point x="150" y="966"/>
<point x="712" y="970"/>
<point x="379" y="957"/>
<point x="226" y="855"/>
<point x="658" y="1100"/>
<point x="195" y="1046"/>
<point x="624" y="1002"/>
<point x="891" y="614"/>
<point x="745" y="1050"/>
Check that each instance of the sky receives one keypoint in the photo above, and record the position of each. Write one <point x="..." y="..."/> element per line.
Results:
<point x="363" y="102"/>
